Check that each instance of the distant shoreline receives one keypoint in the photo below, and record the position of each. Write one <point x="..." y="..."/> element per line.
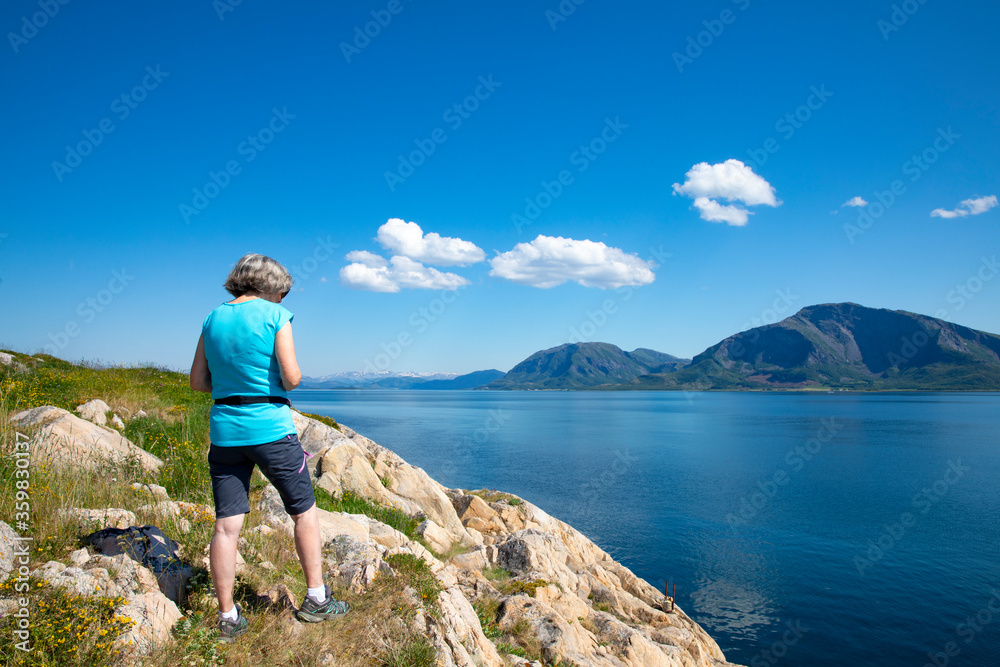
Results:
<point x="804" y="390"/>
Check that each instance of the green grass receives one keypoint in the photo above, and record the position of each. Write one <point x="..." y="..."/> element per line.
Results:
<point x="183" y="447"/>
<point x="175" y="428"/>
<point x="495" y="496"/>
<point x="417" y="573"/>
<point x="504" y="582"/>
<point x="517" y="587"/>
<point x="517" y="639"/>
<point x="57" y="382"/>
<point x="486" y="610"/>
<point x="323" y="419"/>
<point x="197" y="642"/>
<point x="512" y="649"/>
<point x="415" y="651"/>
<point x="496" y="574"/>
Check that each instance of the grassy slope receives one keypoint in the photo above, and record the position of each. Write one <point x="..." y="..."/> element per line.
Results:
<point x="176" y="430"/>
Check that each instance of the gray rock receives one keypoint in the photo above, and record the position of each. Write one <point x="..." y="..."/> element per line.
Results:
<point x="95" y="411"/>
<point x="9" y="360"/>
<point x="87" y="519"/>
<point x="79" y="557"/>
<point x="8" y="542"/>
<point x="154" y="490"/>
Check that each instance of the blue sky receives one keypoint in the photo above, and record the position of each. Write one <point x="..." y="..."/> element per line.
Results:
<point x="843" y="94"/>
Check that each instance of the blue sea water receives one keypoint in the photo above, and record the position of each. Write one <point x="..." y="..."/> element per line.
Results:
<point x="801" y="529"/>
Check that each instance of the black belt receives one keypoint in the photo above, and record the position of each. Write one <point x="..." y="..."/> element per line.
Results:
<point x="249" y="400"/>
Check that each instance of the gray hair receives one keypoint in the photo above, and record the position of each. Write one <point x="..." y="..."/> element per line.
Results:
<point x="258" y="274"/>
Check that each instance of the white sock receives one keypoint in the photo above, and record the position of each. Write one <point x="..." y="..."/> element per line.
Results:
<point x="318" y="594"/>
<point x="230" y="615"/>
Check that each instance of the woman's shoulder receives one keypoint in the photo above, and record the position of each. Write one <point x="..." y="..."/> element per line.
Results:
<point x="212" y="313"/>
<point x="275" y="312"/>
<point x="270" y="306"/>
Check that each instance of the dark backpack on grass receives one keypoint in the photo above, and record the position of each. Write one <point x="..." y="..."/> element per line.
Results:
<point x="150" y="547"/>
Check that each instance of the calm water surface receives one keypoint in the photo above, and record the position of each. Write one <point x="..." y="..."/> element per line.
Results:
<point x="870" y="523"/>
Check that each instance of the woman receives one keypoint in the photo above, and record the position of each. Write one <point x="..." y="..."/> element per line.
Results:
<point x="246" y="360"/>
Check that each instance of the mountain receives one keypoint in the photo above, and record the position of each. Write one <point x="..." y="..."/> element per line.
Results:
<point x="372" y="380"/>
<point x="473" y="380"/>
<point x="584" y="365"/>
<point x="833" y="345"/>
<point x="844" y="345"/>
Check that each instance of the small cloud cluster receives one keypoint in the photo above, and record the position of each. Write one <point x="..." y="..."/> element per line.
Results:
<point x="854" y="201"/>
<point x="967" y="207"/>
<point x="405" y="269"/>
<point x="553" y="260"/>
<point x="732" y="181"/>
<point x="545" y="262"/>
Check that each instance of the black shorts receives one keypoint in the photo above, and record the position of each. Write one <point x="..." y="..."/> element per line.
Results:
<point x="283" y="462"/>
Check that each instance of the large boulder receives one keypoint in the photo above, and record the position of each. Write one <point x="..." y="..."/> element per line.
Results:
<point x="474" y="513"/>
<point x="344" y="467"/>
<point x="95" y="411"/>
<point x="315" y="436"/>
<point x="67" y="441"/>
<point x="435" y="536"/>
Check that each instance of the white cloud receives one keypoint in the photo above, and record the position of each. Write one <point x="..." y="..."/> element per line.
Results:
<point x="367" y="258"/>
<point x="942" y="213"/>
<point x="854" y="201"/>
<point x="408" y="240"/>
<point x="373" y="273"/>
<point x="713" y="211"/>
<point x="980" y="205"/>
<point x="552" y="260"/>
<point x="967" y="207"/>
<point x="730" y="180"/>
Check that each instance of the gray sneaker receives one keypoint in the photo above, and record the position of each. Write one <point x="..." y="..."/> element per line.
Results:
<point x="230" y="630"/>
<point x="314" y="612"/>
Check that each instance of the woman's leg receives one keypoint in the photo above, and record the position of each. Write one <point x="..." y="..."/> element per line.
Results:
<point x="308" y="545"/>
<point x="222" y="554"/>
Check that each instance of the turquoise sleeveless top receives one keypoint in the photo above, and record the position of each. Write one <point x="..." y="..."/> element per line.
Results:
<point x="239" y="347"/>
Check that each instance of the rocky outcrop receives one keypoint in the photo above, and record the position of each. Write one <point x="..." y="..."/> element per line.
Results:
<point x="67" y="441"/>
<point x="586" y="608"/>
<point x="346" y="461"/>
<point x="120" y="576"/>
<point x="458" y="635"/>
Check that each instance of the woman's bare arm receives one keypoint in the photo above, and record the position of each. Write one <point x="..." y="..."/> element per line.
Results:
<point x="284" y="348"/>
<point x="201" y="378"/>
